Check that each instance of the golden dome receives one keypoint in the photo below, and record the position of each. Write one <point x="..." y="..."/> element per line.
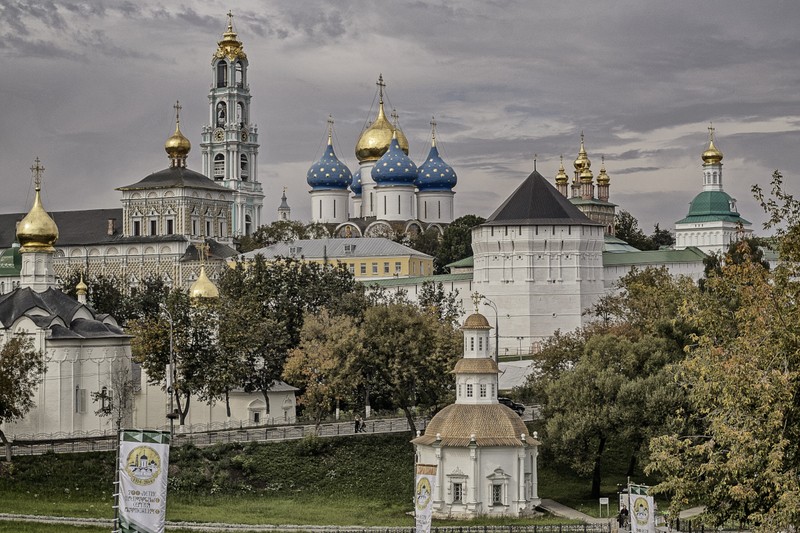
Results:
<point x="712" y="155"/>
<point x="561" y="177"/>
<point x="491" y="424"/>
<point x="37" y="232"/>
<point x="81" y="288"/>
<point x="177" y="146"/>
<point x="375" y="140"/>
<point x="586" y="175"/>
<point x="230" y="46"/>
<point x="203" y="287"/>
<point x="476" y="321"/>
<point x="582" y="161"/>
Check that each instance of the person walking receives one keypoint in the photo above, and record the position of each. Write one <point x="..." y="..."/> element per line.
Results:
<point x="357" y="424"/>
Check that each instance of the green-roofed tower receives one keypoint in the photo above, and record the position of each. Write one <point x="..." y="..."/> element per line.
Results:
<point x="713" y="222"/>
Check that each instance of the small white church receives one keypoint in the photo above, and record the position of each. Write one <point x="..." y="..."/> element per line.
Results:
<point x="486" y="459"/>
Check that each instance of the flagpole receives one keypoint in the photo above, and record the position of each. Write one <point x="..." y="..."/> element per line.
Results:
<point x="116" y="484"/>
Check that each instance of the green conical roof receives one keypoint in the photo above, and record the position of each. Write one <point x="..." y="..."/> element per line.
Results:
<point x="710" y="206"/>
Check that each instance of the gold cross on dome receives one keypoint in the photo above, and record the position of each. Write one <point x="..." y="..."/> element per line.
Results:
<point x="230" y="20"/>
<point x="37" y="169"/>
<point x="177" y="108"/>
<point x="380" y="85"/>
<point x="395" y="118"/>
<point x="476" y="299"/>
<point x="711" y="131"/>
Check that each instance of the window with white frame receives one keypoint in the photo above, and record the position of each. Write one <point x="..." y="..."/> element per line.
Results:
<point x="469" y="390"/>
<point x="458" y="492"/>
<point x="482" y="390"/>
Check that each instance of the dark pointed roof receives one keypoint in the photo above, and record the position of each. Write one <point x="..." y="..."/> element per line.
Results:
<point x="534" y="202"/>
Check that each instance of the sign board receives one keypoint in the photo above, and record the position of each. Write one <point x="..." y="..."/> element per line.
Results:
<point x="424" y="487"/>
<point x="142" y="491"/>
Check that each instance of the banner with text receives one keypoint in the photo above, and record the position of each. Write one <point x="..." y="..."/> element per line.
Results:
<point x="642" y="510"/>
<point x="143" y="465"/>
<point x="425" y="484"/>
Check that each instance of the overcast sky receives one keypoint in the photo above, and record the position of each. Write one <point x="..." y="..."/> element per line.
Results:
<point x="89" y="87"/>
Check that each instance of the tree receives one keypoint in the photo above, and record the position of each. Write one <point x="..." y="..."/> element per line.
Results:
<point x="317" y="364"/>
<point x="263" y="308"/>
<point x="117" y="400"/>
<point x="187" y="339"/>
<point x="748" y="249"/>
<point x="612" y="380"/>
<point x="105" y="294"/>
<point x="742" y="455"/>
<point x="427" y="242"/>
<point x="457" y="241"/>
<point x="22" y="369"/>
<point x="282" y="231"/>
<point x="407" y="354"/>
<point x="661" y="237"/>
<point x="626" y="227"/>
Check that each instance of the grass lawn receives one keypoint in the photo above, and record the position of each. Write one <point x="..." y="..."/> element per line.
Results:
<point x="353" y="481"/>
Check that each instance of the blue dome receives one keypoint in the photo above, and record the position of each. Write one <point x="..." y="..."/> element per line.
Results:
<point x="434" y="174"/>
<point x="328" y="172"/>
<point x="355" y="186"/>
<point x="394" y="167"/>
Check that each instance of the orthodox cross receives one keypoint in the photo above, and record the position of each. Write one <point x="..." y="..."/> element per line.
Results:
<point x="711" y="131"/>
<point x="230" y="20"/>
<point x="433" y="130"/>
<point x="177" y="108"/>
<point x="534" y="161"/>
<point x="330" y="134"/>
<point x="476" y="299"/>
<point x="380" y="85"/>
<point x="37" y="170"/>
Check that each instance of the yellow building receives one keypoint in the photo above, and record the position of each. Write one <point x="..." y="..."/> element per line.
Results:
<point x="366" y="258"/>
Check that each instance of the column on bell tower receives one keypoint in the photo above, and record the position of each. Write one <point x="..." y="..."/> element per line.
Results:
<point x="230" y="140"/>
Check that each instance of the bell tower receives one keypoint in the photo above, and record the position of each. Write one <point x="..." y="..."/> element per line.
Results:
<point x="230" y="140"/>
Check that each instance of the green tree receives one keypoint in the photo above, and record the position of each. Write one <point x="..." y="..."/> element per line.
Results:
<point x="612" y="380"/>
<point x="626" y="227"/>
<point x="407" y="354"/>
<point x="263" y="308"/>
<point x="282" y="231"/>
<point x="185" y="335"/>
<point x="661" y="237"/>
<point x="22" y="369"/>
<point x="105" y="294"/>
<point x="741" y="457"/>
<point x="317" y="364"/>
<point x="457" y="241"/>
<point x="426" y="242"/>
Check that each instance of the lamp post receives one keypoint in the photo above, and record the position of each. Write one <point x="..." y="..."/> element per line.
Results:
<point x="520" y="346"/>
<point x="171" y="415"/>
<point x="487" y="301"/>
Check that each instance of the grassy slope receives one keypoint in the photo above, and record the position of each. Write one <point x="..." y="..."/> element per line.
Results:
<point x="355" y="480"/>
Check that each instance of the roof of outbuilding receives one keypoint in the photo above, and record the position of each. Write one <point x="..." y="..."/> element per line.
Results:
<point x="536" y="201"/>
<point x="650" y="257"/>
<point x="482" y="365"/>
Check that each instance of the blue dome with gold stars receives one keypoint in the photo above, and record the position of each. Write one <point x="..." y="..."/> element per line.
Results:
<point x="434" y="174"/>
<point x="355" y="186"/>
<point x="394" y="167"/>
<point x="329" y="172"/>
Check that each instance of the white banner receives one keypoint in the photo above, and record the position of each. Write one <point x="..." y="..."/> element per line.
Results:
<point x="425" y="484"/>
<point x="143" y="466"/>
<point x="642" y="510"/>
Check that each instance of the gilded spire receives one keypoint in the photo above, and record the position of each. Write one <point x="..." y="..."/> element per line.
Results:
<point x="230" y="46"/>
<point x="37" y="232"/>
<point x="582" y="161"/>
<point x="330" y="135"/>
<point x="81" y="288"/>
<point x="712" y="155"/>
<point x="433" y="131"/>
<point x="177" y="145"/>
<point x="603" y="178"/>
<point x="561" y="177"/>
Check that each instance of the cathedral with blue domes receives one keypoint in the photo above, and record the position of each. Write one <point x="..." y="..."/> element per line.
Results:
<point x="388" y="195"/>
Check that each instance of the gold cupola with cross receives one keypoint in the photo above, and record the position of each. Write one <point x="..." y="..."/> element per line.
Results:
<point x="37" y="231"/>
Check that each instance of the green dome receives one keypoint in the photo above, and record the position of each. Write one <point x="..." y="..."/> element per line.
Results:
<point x="712" y="205"/>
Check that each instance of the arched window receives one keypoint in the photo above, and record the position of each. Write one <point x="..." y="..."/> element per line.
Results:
<point x="222" y="114"/>
<point x="245" y="173"/>
<point x="219" y="166"/>
<point x="222" y="74"/>
<point x="239" y="74"/>
<point x="240" y="118"/>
